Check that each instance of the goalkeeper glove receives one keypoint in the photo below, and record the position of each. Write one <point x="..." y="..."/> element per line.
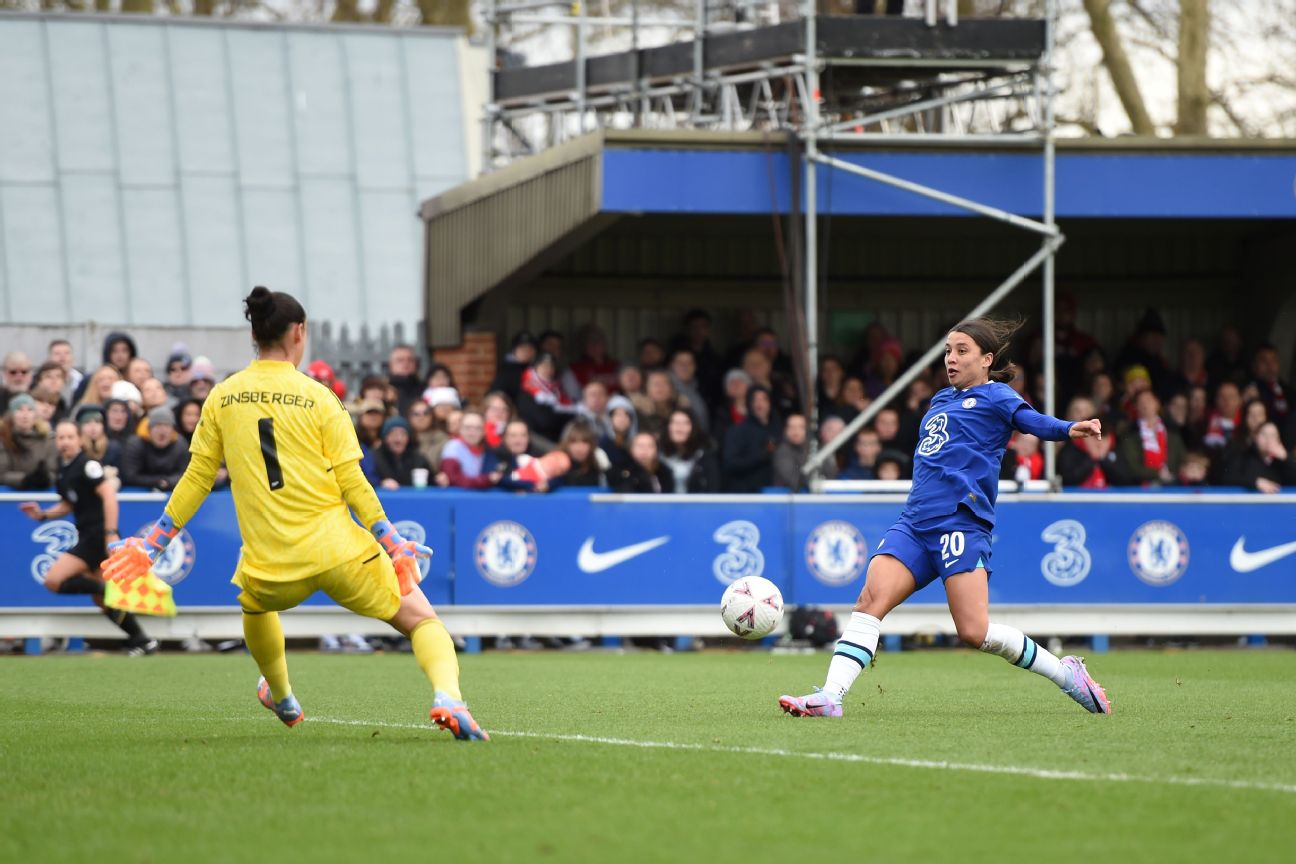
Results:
<point x="404" y="554"/>
<point x="131" y="558"/>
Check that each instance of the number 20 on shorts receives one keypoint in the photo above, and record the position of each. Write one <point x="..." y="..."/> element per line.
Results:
<point x="951" y="544"/>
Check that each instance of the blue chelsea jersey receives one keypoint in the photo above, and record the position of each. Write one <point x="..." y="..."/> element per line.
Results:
<point x="963" y="438"/>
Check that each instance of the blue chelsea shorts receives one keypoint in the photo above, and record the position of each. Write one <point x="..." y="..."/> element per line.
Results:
<point x="954" y="543"/>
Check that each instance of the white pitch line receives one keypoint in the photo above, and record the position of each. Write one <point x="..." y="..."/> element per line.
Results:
<point x="897" y="761"/>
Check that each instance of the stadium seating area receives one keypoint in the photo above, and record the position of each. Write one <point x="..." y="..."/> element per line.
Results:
<point x="685" y="415"/>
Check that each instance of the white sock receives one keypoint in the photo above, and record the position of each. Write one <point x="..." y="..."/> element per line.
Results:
<point x="1022" y="651"/>
<point x="855" y="650"/>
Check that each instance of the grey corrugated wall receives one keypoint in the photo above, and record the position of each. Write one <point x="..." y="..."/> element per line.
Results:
<point x="153" y="169"/>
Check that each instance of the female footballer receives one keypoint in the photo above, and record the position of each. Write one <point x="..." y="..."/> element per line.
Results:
<point x="294" y="467"/>
<point x="945" y="527"/>
<point x="86" y="492"/>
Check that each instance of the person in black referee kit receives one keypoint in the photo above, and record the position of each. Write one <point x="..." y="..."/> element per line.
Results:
<point x="86" y="493"/>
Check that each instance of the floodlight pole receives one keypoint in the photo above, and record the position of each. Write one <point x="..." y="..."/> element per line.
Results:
<point x="810" y="135"/>
<point x="1044" y="77"/>
<point x="580" y="66"/>
<point x="898" y="386"/>
<point x="488" y="116"/>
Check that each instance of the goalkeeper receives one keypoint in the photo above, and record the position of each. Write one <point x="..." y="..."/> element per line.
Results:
<point x="294" y="467"/>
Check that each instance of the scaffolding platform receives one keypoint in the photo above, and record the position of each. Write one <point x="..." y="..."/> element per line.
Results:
<point x="856" y="52"/>
<point x="830" y="82"/>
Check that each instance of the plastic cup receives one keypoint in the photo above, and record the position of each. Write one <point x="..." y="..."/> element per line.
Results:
<point x="420" y="477"/>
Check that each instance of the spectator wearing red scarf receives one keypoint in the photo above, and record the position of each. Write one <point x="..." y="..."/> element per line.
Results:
<point x="1152" y="453"/>
<point x="498" y="411"/>
<point x="1023" y="461"/>
<point x="542" y="404"/>
<point x="1090" y="463"/>
<point x="1223" y="421"/>
<point x="733" y="410"/>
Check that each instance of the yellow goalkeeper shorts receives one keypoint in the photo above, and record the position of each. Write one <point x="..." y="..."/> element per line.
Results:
<point x="366" y="585"/>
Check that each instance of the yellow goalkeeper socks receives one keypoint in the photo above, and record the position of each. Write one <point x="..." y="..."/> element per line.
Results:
<point x="434" y="650"/>
<point x="265" y="639"/>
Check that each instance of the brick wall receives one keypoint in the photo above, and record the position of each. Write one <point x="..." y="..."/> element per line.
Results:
<point x="473" y="364"/>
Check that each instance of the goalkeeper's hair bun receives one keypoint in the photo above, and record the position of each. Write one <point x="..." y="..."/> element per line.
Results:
<point x="270" y="314"/>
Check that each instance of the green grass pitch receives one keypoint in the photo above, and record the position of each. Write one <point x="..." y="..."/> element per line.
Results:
<point x="942" y="756"/>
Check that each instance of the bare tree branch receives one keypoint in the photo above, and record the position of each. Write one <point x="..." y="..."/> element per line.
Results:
<point x="1194" y="40"/>
<point x="1118" y="66"/>
<point x="1158" y="48"/>
<point x="1225" y="105"/>
<point x="1158" y="27"/>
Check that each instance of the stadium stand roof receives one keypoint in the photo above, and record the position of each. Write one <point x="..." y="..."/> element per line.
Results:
<point x="508" y="226"/>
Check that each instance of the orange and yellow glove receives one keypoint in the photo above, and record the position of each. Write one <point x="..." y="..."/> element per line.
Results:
<point x="130" y="559"/>
<point x="404" y="554"/>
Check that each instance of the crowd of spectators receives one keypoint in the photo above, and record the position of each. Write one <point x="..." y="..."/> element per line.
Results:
<point x="133" y="422"/>
<point x="683" y="416"/>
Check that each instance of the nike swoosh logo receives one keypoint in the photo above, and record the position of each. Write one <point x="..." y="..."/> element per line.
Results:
<point x="950" y="564"/>
<point x="590" y="561"/>
<point x="1244" y="562"/>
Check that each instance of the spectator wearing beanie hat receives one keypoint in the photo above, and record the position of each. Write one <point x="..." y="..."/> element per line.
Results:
<point x="178" y="367"/>
<point x="28" y="459"/>
<point x="202" y="378"/>
<point x="442" y="396"/>
<point x="322" y="372"/>
<point x="1136" y="380"/>
<point x="158" y="461"/>
<point x="395" y="460"/>
<point x="125" y="391"/>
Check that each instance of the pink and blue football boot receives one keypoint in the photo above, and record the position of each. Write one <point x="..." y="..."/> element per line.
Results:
<point x="817" y="704"/>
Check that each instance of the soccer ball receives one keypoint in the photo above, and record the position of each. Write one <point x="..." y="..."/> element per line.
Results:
<point x="752" y="607"/>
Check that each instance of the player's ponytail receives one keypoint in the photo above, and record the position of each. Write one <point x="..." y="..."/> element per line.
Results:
<point x="992" y="336"/>
<point x="270" y="314"/>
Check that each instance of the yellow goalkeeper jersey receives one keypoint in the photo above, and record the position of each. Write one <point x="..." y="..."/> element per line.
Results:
<point x="282" y="434"/>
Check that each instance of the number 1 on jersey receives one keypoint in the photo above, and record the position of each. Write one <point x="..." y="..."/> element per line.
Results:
<point x="270" y="453"/>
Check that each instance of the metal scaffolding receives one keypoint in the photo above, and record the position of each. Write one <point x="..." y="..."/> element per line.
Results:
<point x="1051" y="239"/>
<point x="727" y="82"/>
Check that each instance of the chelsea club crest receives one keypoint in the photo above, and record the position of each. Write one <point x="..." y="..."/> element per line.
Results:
<point x="505" y="553"/>
<point x="969" y="402"/>
<point x="836" y="553"/>
<point x="1158" y="553"/>
<point x="178" y="560"/>
<point x="411" y="530"/>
